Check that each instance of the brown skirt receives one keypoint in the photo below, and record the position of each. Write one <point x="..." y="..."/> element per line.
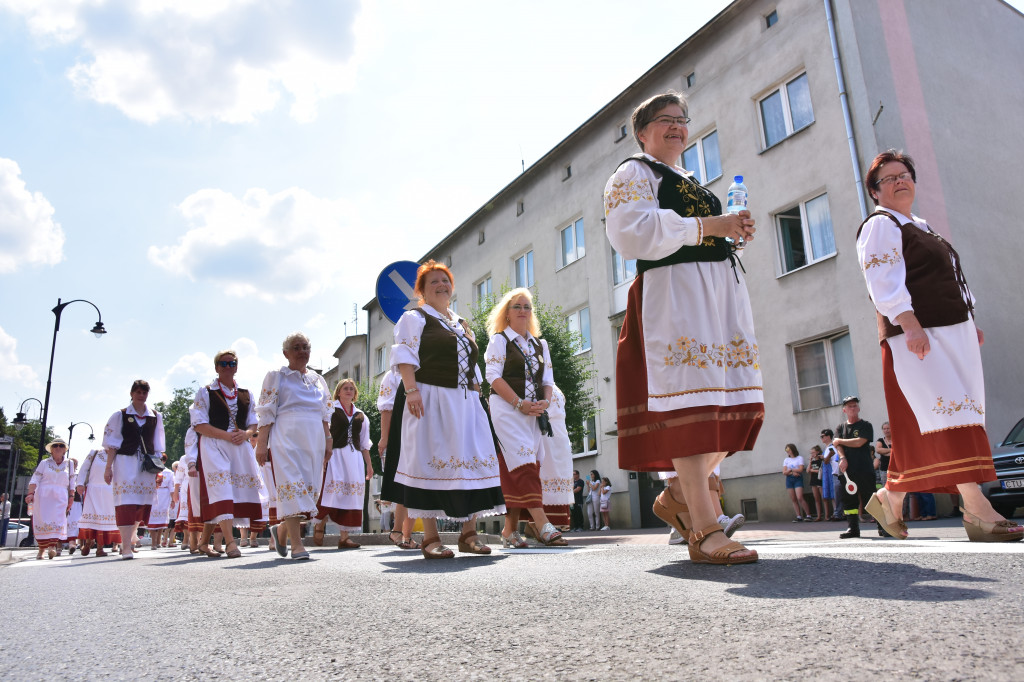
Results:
<point x="558" y="514"/>
<point x="934" y="462"/>
<point x="649" y="441"/>
<point x="521" y="486"/>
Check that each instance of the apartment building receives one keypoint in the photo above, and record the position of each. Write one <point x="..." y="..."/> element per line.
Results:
<point x="797" y="96"/>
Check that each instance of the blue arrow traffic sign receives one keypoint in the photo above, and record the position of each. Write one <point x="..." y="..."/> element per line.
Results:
<point x="395" y="286"/>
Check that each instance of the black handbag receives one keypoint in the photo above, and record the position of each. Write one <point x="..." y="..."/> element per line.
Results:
<point x="152" y="463"/>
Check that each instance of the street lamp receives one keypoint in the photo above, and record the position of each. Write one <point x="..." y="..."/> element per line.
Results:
<point x="71" y="433"/>
<point x="19" y="420"/>
<point x="97" y="329"/>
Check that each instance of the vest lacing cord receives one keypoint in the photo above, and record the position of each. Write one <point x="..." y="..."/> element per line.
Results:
<point x="462" y="347"/>
<point x="958" y="273"/>
<point x="734" y="260"/>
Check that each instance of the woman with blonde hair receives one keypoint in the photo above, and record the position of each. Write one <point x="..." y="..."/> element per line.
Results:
<point x="519" y="371"/>
<point x="348" y="468"/>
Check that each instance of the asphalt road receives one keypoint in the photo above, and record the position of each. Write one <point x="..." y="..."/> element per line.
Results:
<point x="814" y="607"/>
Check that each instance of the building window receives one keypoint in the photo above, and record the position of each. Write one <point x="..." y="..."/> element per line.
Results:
<point x="571" y="242"/>
<point x="691" y="79"/>
<point x="805" y="234"/>
<point x="771" y="19"/>
<point x="524" y="270"/>
<point x="622" y="270"/>
<point x="482" y="289"/>
<point x="579" y="321"/>
<point x="520" y="208"/>
<point x="357" y="375"/>
<point x="380" y="359"/>
<point x="823" y="371"/>
<point x="623" y="132"/>
<point x="703" y="159"/>
<point x="588" y="444"/>
<point x="568" y="172"/>
<point x="481" y="238"/>
<point x="454" y="305"/>
<point x="786" y="110"/>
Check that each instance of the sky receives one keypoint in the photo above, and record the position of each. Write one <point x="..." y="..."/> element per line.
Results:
<point x="217" y="174"/>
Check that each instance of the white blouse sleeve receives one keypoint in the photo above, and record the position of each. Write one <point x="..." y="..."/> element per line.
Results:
<point x="408" y="331"/>
<point x="549" y="372"/>
<point x="112" y="432"/>
<point x="199" y="413"/>
<point x="386" y="394"/>
<point x="494" y="357"/>
<point x="636" y="225"/>
<point x="327" y="403"/>
<point x="159" y="443"/>
<point x="191" y="447"/>
<point x="880" y="252"/>
<point x="266" y="406"/>
<point x="37" y="475"/>
<point x="364" y="436"/>
<point x="83" y="471"/>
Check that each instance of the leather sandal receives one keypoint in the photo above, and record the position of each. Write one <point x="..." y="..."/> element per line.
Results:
<point x="233" y="553"/>
<point x="514" y="541"/>
<point x="433" y="549"/>
<point x="410" y="544"/>
<point x="399" y="541"/>
<point x="879" y="508"/>
<point x="348" y="544"/>
<point x="470" y="543"/>
<point x="723" y="556"/>
<point x="205" y="549"/>
<point x="990" y="531"/>
<point x="551" y="537"/>
<point x="668" y="509"/>
<point x="318" y="534"/>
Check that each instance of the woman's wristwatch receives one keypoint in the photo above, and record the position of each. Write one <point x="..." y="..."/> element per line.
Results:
<point x="519" y="404"/>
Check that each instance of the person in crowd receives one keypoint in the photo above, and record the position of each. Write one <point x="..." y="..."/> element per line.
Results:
<point x="197" y="532"/>
<point x="687" y="410"/>
<point x="593" y="500"/>
<point x="224" y="417"/>
<point x="606" y="499"/>
<point x="793" y="470"/>
<point x="5" y="518"/>
<point x="386" y="510"/>
<point x="520" y="374"/>
<point x="578" y="484"/>
<point x="931" y="358"/>
<point x="925" y="506"/>
<point x="401" y="532"/>
<point x="814" y="469"/>
<point x="268" y="499"/>
<point x="294" y="411"/>
<point x="160" y="511"/>
<point x="50" y="492"/>
<point x="883" y="447"/>
<point x="98" y="525"/>
<point x="833" y="488"/>
<point x="555" y="464"/>
<point x="853" y="442"/>
<point x="348" y="469"/>
<point x="74" y="514"/>
<point x="446" y="465"/>
<point x="171" y="536"/>
<point x="130" y="434"/>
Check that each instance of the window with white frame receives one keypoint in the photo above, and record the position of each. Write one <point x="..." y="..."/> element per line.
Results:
<point x="357" y="375"/>
<point x="579" y="321"/>
<point x="571" y="242"/>
<point x="823" y="371"/>
<point x="588" y="444"/>
<point x="623" y="270"/>
<point x="786" y="110"/>
<point x="771" y="18"/>
<point x="482" y="289"/>
<point x="380" y="359"/>
<point x="524" y="270"/>
<point x="703" y="159"/>
<point x="805" y="233"/>
<point x="691" y="79"/>
<point x="454" y="305"/>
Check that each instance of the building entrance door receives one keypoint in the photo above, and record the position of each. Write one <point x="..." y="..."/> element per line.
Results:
<point x="650" y="486"/>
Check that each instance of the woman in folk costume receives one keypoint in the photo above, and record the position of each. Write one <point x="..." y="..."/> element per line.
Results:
<point x="75" y="513"/>
<point x="688" y="374"/>
<point x="171" y="536"/>
<point x="98" y="525"/>
<point x="224" y="416"/>
<point x="519" y="371"/>
<point x="443" y="462"/>
<point x="555" y="466"/>
<point x="161" y="509"/>
<point x="294" y="410"/>
<point x="49" y="492"/>
<point x="348" y="468"/>
<point x="268" y="500"/>
<point x="130" y="434"/>
<point x="931" y="360"/>
<point x="402" y="533"/>
<point x="189" y="509"/>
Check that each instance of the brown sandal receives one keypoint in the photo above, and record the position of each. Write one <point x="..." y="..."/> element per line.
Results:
<point x="233" y="553"/>
<point x="723" y="556"/>
<point x="318" y="534"/>
<point x="439" y="551"/>
<point x="348" y="544"/>
<point x="668" y="509"/>
<point x="990" y="531"/>
<point x="470" y="543"/>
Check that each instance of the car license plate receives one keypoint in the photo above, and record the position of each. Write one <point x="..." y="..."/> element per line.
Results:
<point x="1014" y="483"/>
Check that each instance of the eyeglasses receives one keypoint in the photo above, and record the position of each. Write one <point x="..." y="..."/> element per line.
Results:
<point x="59" y="445"/>
<point x="227" y="363"/>
<point x="518" y="307"/>
<point x="668" y="120"/>
<point x="301" y="348"/>
<point x="889" y="179"/>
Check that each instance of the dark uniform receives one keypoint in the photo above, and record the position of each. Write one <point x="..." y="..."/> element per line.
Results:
<point x="860" y="469"/>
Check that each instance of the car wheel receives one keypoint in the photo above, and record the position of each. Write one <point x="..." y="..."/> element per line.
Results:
<point x="27" y="543"/>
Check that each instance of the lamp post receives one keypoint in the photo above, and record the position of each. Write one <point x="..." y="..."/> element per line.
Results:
<point x="97" y="329"/>
<point x="71" y="433"/>
<point x="19" y="423"/>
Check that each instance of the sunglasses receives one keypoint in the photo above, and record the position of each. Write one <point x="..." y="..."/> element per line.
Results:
<point x="227" y="363"/>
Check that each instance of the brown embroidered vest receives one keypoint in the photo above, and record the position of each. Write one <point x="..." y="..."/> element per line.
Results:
<point x="220" y="412"/>
<point x="133" y="438"/>
<point x="439" y="355"/>
<point x="514" y="371"/>
<point x="339" y="427"/>
<point x="938" y="290"/>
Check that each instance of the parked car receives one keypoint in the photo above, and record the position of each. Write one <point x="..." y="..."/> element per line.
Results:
<point x="1007" y="493"/>
<point x="13" y="528"/>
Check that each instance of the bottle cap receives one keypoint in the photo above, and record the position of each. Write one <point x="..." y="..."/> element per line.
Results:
<point x="738" y="179"/>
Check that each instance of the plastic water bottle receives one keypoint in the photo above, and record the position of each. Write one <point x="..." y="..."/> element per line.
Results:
<point x="736" y="201"/>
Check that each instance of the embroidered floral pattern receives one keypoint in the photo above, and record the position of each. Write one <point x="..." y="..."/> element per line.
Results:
<point x="497" y="360"/>
<point x="556" y="485"/>
<point x="413" y="343"/>
<point x="626" y="192"/>
<point x="47" y="528"/>
<point x="293" y="490"/>
<point x="454" y="463"/>
<point x="699" y="201"/>
<point x="133" y="488"/>
<point x="525" y="452"/>
<point x="885" y="259"/>
<point x="344" y="488"/>
<point x="98" y="518"/>
<point x="385" y="391"/>
<point x="268" y="396"/>
<point x="951" y="407"/>
<point x="732" y="355"/>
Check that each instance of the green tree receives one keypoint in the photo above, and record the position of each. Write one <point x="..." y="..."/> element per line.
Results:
<point x="367" y="402"/>
<point x="574" y="373"/>
<point x="177" y="420"/>
<point x="26" y="440"/>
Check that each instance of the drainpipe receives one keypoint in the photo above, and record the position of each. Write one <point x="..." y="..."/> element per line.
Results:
<point x="844" y="102"/>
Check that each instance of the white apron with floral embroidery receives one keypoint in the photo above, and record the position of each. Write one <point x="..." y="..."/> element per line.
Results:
<point x="98" y="508"/>
<point x="345" y="478"/>
<point x="556" y="455"/>
<point x="50" y="504"/>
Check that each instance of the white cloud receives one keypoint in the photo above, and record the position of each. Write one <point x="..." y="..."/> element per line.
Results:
<point x="289" y="245"/>
<point x="226" y="60"/>
<point x="10" y="369"/>
<point x="198" y="367"/>
<point x="28" y="234"/>
<point x="316" y="321"/>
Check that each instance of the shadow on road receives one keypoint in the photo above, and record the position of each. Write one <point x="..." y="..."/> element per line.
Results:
<point x="427" y="567"/>
<point x="832" y="577"/>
